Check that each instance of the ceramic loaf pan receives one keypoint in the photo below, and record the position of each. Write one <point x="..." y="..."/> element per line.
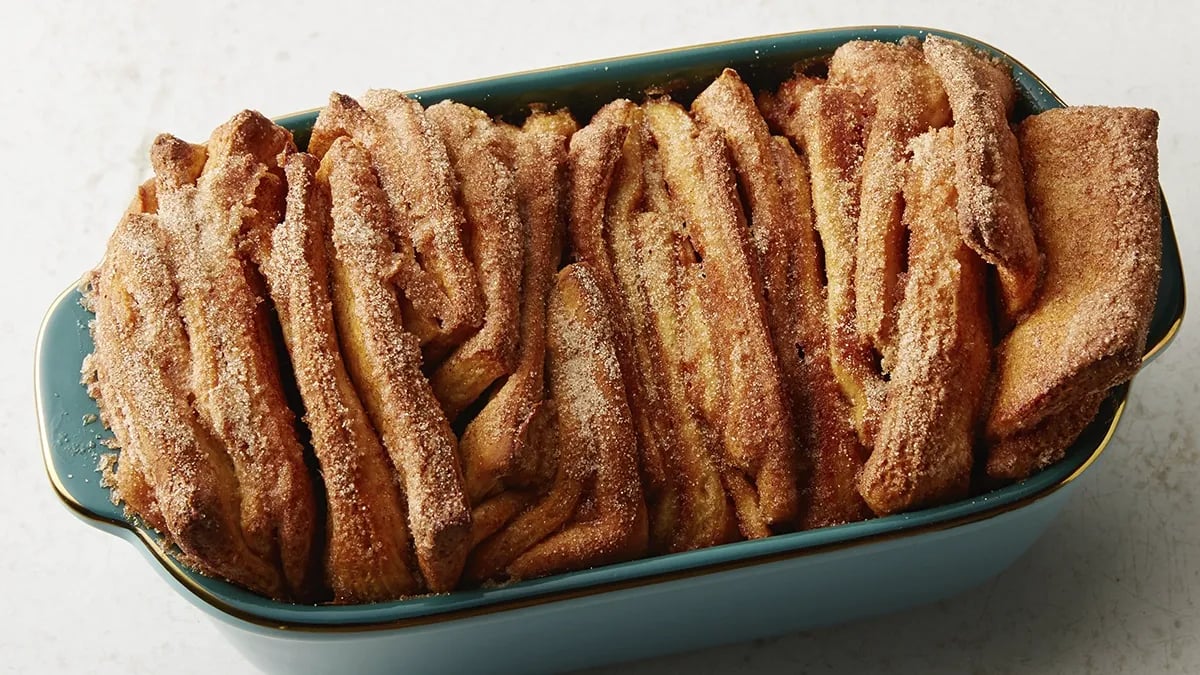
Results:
<point x="633" y="610"/>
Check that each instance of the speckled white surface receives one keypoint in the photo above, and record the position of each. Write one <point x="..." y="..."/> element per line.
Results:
<point x="1114" y="587"/>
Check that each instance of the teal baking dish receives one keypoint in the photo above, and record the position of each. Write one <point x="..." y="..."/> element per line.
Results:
<point x="632" y="610"/>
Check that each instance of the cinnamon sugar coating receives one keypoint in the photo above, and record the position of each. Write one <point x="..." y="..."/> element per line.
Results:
<point x="495" y="239"/>
<point x="752" y="419"/>
<point x="1092" y="176"/>
<point x="181" y="479"/>
<point x="594" y="154"/>
<point x="924" y="449"/>
<point x="366" y="557"/>
<point x="754" y="333"/>
<point x="211" y="201"/>
<point x="497" y="446"/>
<point x="441" y="296"/>
<point x="830" y="450"/>
<point x="905" y="98"/>
<point x="384" y="362"/>
<point x="834" y="131"/>
<point x="991" y="193"/>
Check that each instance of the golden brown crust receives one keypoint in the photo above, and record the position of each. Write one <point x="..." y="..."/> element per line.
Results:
<point x="594" y="152"/>
<point x="690" y="510"/>
<point x="593" y="157"/>
<point x="384" y="362"/>
<point x="777" y="194"/>
<point x="834" y="121"/>
<point x="496" y="444"/>
<point x="489" y="517"/>
<point x="1092" y="180"/>
<point x="728" y="106"/>
<point x="595" y="431"/>
<point x="495" y="239"/>
<point x="134" y="488"/>
<point x="142" y="361"/>
<point x="693" y="512"/>
<point x="781" y="108"/>
<point x="250" y="133"/>
<point x="1030" y="450"/>
<point x="443" y="303"/>
<point x="752" y="524"/>
<point x="924" y="449"/>
<point x="754" y="423"/>
<point x="209" y="218"/>
<point x="991" y="193"/>
<point x="830" y="447"/>
<point x="366" y="557"/>
<point x="906" y="98"/>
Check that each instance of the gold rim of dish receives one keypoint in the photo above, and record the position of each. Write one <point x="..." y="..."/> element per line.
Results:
<point x="183" y="576"/>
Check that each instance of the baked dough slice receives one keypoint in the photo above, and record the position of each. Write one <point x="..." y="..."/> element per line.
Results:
<point x="1091" y="174"/>
<point x="497" y="448"/>
<point x="991" y="194"/>
<point x="172" y="471"/>
<point x="384" y="361"/>
<point x="441" y="295"/>
<point x="1028" y="451"/>
<point x="211" y="200"/>
<point x="754" y="422"/>
<point x="831" y="450"/>
<point x="594" y="155"/>
<point x="727" y="105"/>
<point x="833" y="126"/>
<point x="829" y="423"/>
<point x="700" y="514"/>
<point x="366" y="555"/>
<point x="594" y="513"/>
<point x="616" y="182"/>
<point x="925" y="446"/>
<point x="495" y="240"/>
<point x="906" y="98"/>
<point x="781" y="107"/>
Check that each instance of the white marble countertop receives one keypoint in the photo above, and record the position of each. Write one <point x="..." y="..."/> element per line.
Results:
<point x="1113" y="587"/>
